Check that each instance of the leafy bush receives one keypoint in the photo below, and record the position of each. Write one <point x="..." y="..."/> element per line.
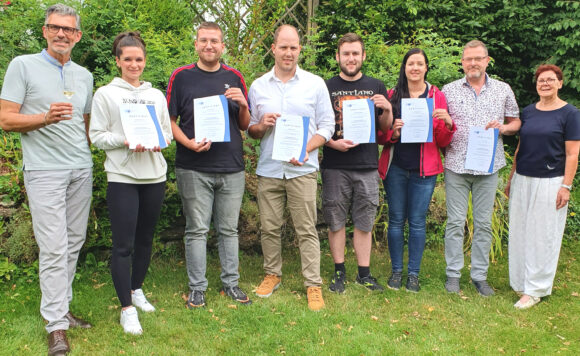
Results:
<point x="6" y="269"/>
<point x="19" y="245"/>
<point x="519" y="35"/>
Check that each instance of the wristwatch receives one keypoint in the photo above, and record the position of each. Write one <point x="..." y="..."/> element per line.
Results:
<point x="569" y="187"/>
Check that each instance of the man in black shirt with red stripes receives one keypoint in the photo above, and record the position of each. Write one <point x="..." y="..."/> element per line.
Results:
<point x="210" y="176"/>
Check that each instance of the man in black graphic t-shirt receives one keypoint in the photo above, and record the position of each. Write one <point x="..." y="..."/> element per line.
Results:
<point x="350" y="179"/>
<point x="210" y="175"/>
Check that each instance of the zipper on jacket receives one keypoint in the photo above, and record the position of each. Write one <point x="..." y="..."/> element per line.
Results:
<point x="421" y="161"/>
<point x="430" y="95"/>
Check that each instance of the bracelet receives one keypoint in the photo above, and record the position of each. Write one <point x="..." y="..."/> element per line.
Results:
<point x="569" y="187"/>
<point x="45" y="122"/>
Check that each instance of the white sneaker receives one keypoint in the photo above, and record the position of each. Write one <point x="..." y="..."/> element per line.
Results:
<point x="130" y="321"/>
<point x="138" y="299"/>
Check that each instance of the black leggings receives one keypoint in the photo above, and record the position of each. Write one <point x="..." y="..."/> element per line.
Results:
<point x="133" y="210"/>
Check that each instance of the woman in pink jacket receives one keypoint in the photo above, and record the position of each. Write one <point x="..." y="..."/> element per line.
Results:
<point x="409" y="170"/>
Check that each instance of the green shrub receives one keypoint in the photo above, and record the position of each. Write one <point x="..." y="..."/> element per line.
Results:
<point x="19" y="244"/>
<point x="7" y="268"/>
<point x="518" y="34"/>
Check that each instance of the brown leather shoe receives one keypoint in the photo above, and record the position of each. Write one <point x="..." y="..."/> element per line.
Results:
<point x="74" y="322"/>
<point x="58" y="343"/>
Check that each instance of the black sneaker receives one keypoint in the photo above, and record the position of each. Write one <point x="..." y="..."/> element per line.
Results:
<point x="395" y="281"/>
<point x="412" y="284"/>
<point x="483" y="288"/>
<point x="370" y="282"/>
<point x="236" y="294"/>
<point x="196" y="299"/>
<point x="337" y="283"/>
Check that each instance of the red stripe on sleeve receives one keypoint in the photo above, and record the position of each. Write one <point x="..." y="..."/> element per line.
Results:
<point x="172" y="78"/>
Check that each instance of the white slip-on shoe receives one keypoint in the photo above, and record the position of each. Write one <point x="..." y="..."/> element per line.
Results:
<point x="528" y="303"/>
<point x="140" y="301"/>
<point x="130" y="321"/>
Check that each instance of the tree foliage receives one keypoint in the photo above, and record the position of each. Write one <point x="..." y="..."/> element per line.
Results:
<point x="565" y="28"/>
<point x="520" y="35"/>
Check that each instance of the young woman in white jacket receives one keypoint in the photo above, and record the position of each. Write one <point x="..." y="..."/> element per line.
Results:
<point x="136" y="177"/>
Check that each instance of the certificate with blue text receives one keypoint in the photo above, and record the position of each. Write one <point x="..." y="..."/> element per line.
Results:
<point x="211" y="119"/>
<point x="417" y="116"/>
<point x="141" y="126"/>
<point x="358" y="120"/>
<point x="290" y="138"/>
<point x="481" y="149"/>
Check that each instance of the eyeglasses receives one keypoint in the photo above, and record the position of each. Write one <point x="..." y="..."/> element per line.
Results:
<point x="205" y="41"/>
<point x="470" y="59"/>
<point x="548" y="81"/>
<point x="55" y="28"/>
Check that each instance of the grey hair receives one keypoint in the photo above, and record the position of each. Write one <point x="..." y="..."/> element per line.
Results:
<point x="63" y="10"/>
<point x="474" y="44"/>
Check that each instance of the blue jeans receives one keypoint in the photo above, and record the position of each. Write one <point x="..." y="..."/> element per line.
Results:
<point x="203" y="195"/>
<point x="408" y="196"/>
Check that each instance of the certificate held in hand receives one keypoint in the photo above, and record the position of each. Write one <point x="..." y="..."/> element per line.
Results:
<point x="417" y="115"/>
<point x="290" y="138"/>
<point x="211" y="119"/>
<point x="141" y="126"/>
<point x="358" y="120"/>
<point x="481" y="147"/>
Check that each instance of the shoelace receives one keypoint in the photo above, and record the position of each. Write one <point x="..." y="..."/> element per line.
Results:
<point x="315" y="295"/>
<point x="59" y="336"/>
<point x="270" y="281"/>
<point x="237" y="292"/>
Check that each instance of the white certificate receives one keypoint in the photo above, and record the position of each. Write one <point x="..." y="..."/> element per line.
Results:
<point x="290" y="137"/>
<point x="211" y="119"/>
<point x="358" y="120"/>
<point x="141" y="126"/>
<point x="481" y="149"/>
<point x="417" y="115"/>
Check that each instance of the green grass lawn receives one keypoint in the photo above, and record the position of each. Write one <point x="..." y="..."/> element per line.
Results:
<point x="358" y="322"/>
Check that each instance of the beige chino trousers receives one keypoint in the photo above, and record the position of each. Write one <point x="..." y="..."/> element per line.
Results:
<point x="300" y="195"/>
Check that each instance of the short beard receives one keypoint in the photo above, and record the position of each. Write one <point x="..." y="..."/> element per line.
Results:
<point x="209" y="63"/>
<point x="63" y="51"/>
<point x="475" y="75"/>
<point x="352" y="73"/>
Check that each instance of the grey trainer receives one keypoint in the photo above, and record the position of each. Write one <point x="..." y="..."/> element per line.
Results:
<point x="395" y="281"/>
<point x="483" y="288"/>
<point x="412" y="284"/>
<point x="452" y="284"/>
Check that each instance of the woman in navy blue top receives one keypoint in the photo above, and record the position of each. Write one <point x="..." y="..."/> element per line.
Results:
<point x="545" y="163"/>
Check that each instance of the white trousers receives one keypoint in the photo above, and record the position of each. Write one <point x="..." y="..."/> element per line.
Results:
<point x="536" y="228"/>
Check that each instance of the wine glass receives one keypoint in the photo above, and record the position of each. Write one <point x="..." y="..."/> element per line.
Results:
<point x="68" y="83"/>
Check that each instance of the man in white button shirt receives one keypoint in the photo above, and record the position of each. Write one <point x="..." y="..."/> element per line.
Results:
<point x="289" y="90"/>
